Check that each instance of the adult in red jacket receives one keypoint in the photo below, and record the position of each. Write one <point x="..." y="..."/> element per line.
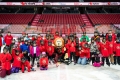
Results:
<point x="5" y="59"/>
<point x="43" y="62"/>
<point x="50" y="51"/>
<point x="110" y="49"/>
<point x="84" y="54"/>
<point x="110" y="33"/>
<point x="104" y="51"/>
<point x="17" y="62"/>
<point x="72" y="48"/>
<point x="117" y="52"/>
<point x="8" y="39"/>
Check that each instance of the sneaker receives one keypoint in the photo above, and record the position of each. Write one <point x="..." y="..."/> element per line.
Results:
<point x="108" y="65"/>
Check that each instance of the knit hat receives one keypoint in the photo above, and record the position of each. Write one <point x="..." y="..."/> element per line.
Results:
<point x="43" y="53"/>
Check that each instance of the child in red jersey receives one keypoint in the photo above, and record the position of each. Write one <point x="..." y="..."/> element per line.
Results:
<point x="42" y="46"/>
<point x="84" y="54"/>
<point x="104" y="51"/>
<point x="43" y="62"/>
<point x="72" y="47"/>
<point x="25" y="63"/>
<point x="17" y="62"/>
<point x="117" y="52"/>
<point x="50" y="51"/>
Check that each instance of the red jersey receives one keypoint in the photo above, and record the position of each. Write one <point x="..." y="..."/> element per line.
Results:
<point x="6" y="60"/>
<point x="8" y="39"/>
<point x="117" y="49"/>
<point x="82" y="44"/>
<point x="84" y="53"/>
<point x="110" y="47"/>
<point x="113" y="37"/>
<point x="72" y="47"/>
<point x="50" y="50"/>
<point x="17" y="60"/>
<point x="38" y="41"/>
<point x="42" y="48"/>
<point x="104" y="49"/>
<point x="44" y="61"/>
<point x="26" y="64"/>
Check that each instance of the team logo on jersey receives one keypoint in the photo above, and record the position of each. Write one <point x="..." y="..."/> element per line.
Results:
<point x="105" y="49"/>
<point x="118" y="47"/>
<point x="111" y="45"/>
<point x="18" y="58"/>
<point x="44" y="61"/>
<point x="72" y="45"/>
<point x="49" y="48"/>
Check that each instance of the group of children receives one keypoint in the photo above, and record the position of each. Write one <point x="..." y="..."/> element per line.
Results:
<point x="21" y="54"/>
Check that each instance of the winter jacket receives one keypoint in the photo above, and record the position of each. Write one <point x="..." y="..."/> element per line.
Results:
<point x="5" y="60"/>
<point x="37" y="51"/>
<point x="93" y="47"/>
<point x="8" y="40"/>
<point x="25" y="47"/>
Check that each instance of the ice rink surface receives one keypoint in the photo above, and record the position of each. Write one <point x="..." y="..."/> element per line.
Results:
<point x="69" y="72"/>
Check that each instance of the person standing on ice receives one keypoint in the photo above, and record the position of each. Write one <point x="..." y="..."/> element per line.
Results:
<point x="8" y="40"/>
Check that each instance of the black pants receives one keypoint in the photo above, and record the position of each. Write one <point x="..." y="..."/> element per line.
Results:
<point x="96" y="58"/>
<point x="117" y="60"/>
<point x="27" y="57"/>
<point x="51" y="57"/>
<point x="33" y="59"/>
<point x="0" y="49"/>
<point x="107" y="60"/>
<point x="76" y="57"/>
<point x="62" y="56"/>
<point x="72" y="54"/>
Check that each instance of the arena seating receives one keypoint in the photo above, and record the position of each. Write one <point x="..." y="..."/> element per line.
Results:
<point x="58" y="19"/>
<point x="61" y="22"/>
<point x="16" y="18"/>
<point x="105" y="18"/>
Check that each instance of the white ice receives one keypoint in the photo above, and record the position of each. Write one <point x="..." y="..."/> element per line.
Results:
<point x="69" y="72"/>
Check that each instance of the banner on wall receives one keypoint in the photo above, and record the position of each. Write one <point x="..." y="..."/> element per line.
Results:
<point x="59" y="3"/>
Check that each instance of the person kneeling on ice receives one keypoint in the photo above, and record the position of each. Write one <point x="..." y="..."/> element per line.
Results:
<point x="5" y="60"/>
<point x="84" y="54"/>
<point x="17" y="62"/>
<point x="43" y="62"/>
<point x="26" y="63"/>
